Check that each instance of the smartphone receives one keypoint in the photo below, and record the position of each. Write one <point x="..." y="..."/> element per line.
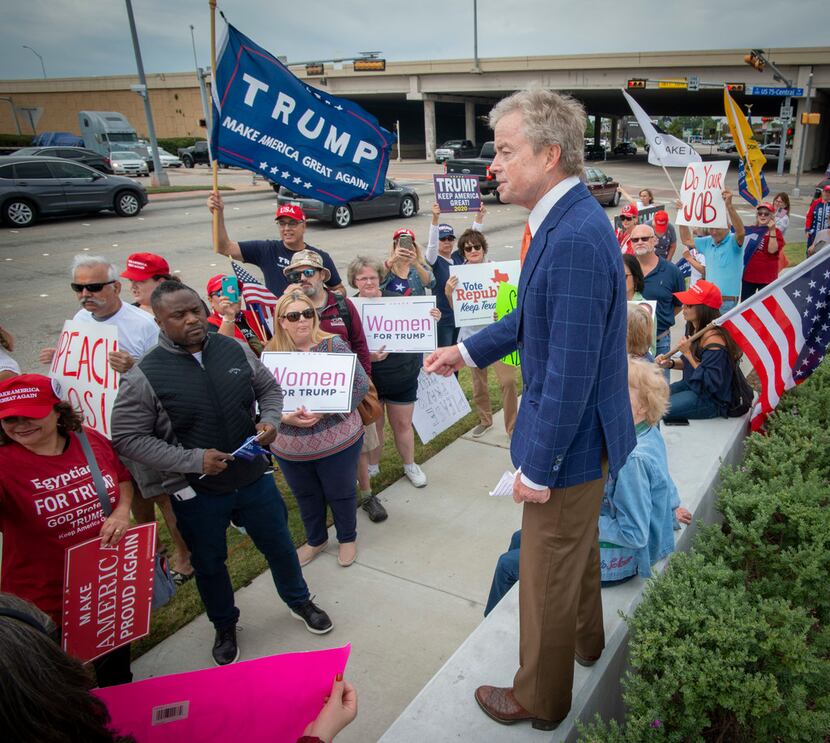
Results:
<point x="405" y="241"/>
<point x="230" y="288"/>
<point x="676" y="421"/>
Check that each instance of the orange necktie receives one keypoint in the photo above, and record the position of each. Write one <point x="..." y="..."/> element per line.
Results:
<point x="526" y="238"/>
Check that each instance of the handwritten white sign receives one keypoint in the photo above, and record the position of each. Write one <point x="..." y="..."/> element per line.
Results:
<point x="440" y="403"/>
<point x="320" y="382"/>
<point x="81" y="367"/>
<point x="474" y="298"/>
<point x="703" y="205"/>
<point x="398" y="324"/>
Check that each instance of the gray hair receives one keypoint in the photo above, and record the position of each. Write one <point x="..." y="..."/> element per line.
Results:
<point x="90" y="261"/>
<point x="549" y="118"/>
<point x="359" y="264"/>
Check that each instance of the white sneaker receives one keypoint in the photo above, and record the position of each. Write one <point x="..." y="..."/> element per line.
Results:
<point x="374" y="470"/>
<point x="415" y="474"/>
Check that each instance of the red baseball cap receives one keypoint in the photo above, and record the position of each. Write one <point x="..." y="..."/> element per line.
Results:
<point x="143" y="266"/>
<point x="826" y="187"/>
<point x="766" y="205"/>
<point x="214" y="283"/>
<point x="403" y="231"/>
<point x="28" y="396"/>
<point x="661" y="223"/>
<point x="701" y="292"/>
<point x="629" y="210"/>
<point x="291" y="211"/>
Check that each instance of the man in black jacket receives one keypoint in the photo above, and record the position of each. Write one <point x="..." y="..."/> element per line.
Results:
<point x="184" y="408"/>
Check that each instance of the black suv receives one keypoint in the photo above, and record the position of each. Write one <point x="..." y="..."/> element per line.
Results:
<point x="76" y="154"/>
<point x="31" y="187"/>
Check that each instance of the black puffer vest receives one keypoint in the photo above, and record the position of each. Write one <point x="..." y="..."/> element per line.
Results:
<point x="210" y="407"/>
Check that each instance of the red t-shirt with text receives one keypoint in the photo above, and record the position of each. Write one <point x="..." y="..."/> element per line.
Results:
<point x="46" y="505"/>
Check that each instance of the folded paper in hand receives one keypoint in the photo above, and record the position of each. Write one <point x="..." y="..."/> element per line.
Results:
<point x="505" y="485"/>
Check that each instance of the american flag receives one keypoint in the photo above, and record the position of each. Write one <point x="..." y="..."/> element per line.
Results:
<point x="253" y="292"/>
<point x="784" y="330"/>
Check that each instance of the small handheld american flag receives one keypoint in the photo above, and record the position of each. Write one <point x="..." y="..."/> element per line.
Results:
<point x="784" y="330"/>
<point x="253" y="291"/>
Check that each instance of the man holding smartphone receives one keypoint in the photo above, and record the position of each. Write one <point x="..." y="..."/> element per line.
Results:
<point x="273" y="256"/>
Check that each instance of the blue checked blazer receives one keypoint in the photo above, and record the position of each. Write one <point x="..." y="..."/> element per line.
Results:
<point x="569" y="326"/>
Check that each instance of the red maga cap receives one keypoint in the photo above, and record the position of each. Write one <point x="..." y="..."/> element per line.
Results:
<point x="291" y="211"/>
<point x="701" y="292"/>
<point x="28" y="396"/>
<point x="214" y="283"/>
<point x="661" y="223"/>
<point x="143" y="266"/>
<point x="403" y="231"/>
<point x="629" y="210"/>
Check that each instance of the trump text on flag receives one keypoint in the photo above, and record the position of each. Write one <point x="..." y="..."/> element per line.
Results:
<point x="474" y="297"/>
<point x="457" y="193"/>
<point x="108" y="592"/>
<point x="398" y="324"/>
<point x="81" y="367"/>
<point x="701" y="194"/>
<point x="319" y="382"/>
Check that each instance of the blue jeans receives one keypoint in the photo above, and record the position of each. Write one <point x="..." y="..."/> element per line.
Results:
<point x="203" y="521"/>
<point x="507" y="572"/>
<point x="684" y="402"/>
<point x="663" y="345"/>
<point x="327" y="481"/>
<point x="727" y="305"/>
<point x="447" y="335"/>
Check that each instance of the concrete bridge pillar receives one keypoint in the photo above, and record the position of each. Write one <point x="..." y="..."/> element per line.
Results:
<point x="429" y="128"/>
<point x="470" y="121"/>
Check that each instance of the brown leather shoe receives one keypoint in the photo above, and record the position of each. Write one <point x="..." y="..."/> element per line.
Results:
<point x="500" y="704"/>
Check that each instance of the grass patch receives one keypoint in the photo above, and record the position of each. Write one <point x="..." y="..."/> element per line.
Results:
<point x="795" y="252"/>
<point x="245" y="562"/>
<point x="182" y="189"/>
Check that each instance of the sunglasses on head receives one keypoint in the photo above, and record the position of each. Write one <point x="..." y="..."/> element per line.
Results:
<point x="471" y="248"/>
<point x="640" y="239"/>
<point x="295" y="316"/>
<point x="92" y="288"/>
<point x="295" y="276"/>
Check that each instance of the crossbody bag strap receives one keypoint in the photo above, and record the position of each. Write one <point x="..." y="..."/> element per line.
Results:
<point x="95" y="471"/>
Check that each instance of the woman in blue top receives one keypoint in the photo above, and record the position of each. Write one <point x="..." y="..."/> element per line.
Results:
<point x="707" y="362"/>
<point x="408" y="274"/>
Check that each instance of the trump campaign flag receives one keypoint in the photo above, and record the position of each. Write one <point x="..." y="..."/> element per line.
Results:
<point x="268" y="121"/>
<point x="664" y="149"/>
<point x="784" y="330"/>
<point x="751" y="183"/>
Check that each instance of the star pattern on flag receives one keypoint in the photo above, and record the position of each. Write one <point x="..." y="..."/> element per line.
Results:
<point x="339" y="107"/>
<point x="297" y="180"/>
<point x="285" y="174"/>
<point x="306" y="185"/>
<point x="812" y="302"/>
<point x="263" y="166"/>
<point x="274" y="170"/>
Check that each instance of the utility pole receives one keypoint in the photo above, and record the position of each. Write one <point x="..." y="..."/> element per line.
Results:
<point x="805" y="130"/>
<point x="159" y="177"/>
<point x="476" y="69"/>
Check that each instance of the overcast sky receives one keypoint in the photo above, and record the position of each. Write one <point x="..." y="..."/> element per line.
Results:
<point x="92" y="37"/>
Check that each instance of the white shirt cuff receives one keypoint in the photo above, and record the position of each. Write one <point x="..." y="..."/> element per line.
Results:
<point x="465" y="354"/>
<point x="533" y="485"/>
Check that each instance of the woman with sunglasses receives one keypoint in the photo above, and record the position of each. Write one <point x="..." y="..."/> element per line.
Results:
<point x="765" y="262"/>
<point x="231" y="320"/>
<point x="473" y="246"/>
<point x="317" y="452"/>
<point x="395" y="376"/>
<point x="628" y="217"/>
<point x="48" y="499"/>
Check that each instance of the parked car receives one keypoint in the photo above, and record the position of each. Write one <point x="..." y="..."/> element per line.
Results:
<point x="168" y="160"/>
<point x="602" y="187"/>
<point x="772" y="149"/>
<point x="197" y="153"/>
<point x="727" y="146"/>
<point x="128" y="163"/>
<point x="395" y="201"/>
<point x="595" y="152"/>
<point x="625" y="148"/>
<point x="455" y="149"/>
<point x="76" y="154"/>
<point x="34" y="187"/>
<point x="479" y="166"/>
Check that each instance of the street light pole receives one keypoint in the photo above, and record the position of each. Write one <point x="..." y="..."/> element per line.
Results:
<point x="159" y="177"/>
<point x="42" y="65"/>
<point x="805" y="130"/>
<point x="476" y="68"/>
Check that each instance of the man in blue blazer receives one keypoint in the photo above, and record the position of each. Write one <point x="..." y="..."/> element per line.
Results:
<point x="574" y="422"/>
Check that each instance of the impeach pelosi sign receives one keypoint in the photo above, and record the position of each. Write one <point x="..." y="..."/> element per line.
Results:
<point x="108" y="593"/>
<point x="81" y="367"/>
<point x="319" y="382"/>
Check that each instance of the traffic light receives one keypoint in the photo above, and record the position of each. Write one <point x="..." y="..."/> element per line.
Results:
<point x="369" y="65"/>
<point x="314" y="69"/>
<point x="636" y="83"/>
<point x="736" y="87"/>
<point x="756" y="59"/>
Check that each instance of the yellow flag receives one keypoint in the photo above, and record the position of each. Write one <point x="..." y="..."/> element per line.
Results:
<point x="753" y="158"/>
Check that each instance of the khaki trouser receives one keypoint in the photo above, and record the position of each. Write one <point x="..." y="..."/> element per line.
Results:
<point x="509" y="398"/>
<point x="560" y="606"/>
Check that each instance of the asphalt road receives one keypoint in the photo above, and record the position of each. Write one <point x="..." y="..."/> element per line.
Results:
<point x="36" y="294"/>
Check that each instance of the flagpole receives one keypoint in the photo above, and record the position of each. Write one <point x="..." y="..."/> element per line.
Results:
<point x="670" y="180"/>
<point x="213" y="162"/>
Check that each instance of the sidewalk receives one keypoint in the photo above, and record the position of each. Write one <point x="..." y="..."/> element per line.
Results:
<point x="414" y="595"/>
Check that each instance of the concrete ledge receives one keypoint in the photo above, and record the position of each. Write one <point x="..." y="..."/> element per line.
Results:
<point x="444" y="710"/>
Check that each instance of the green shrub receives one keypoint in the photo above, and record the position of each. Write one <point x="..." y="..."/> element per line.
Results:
<point x="16" y="140"/>
<point x="171" y="144"/>
<point x="712" y="661"/>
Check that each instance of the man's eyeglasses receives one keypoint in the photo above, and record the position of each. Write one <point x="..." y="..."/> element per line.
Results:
<point x="91" y="288"/>
<point x="287" y="222"/>
<point x="471" y="248"/>
<point x="295" y="276"/>
<point x="640" y="239"/>
<point x="306" y="314"/>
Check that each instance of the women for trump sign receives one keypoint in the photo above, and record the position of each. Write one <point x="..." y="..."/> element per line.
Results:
<point x="319" y="382"/>
<point x="398" y="324"/>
